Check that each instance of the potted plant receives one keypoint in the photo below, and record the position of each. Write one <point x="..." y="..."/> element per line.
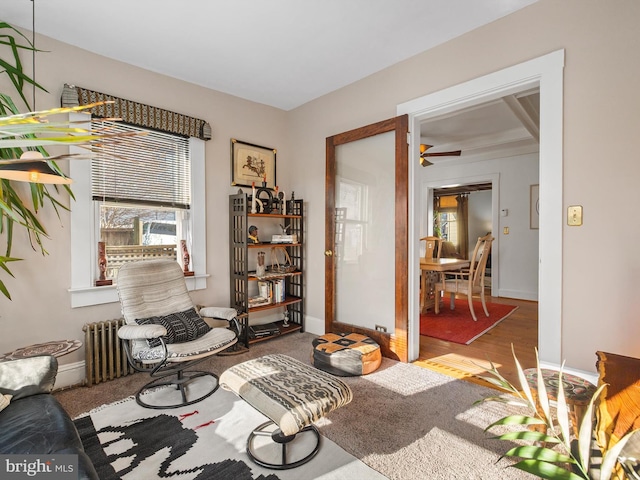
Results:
<point x="20" y="132"/>
<point x="552" y="452"/>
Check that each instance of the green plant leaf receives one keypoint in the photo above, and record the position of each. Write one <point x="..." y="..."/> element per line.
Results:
<point x="3" y="265"/>
<point x="20" y="130"/>
<point x="496" y="382"/>
<point x="529" y="435"/>
<point x="547" y="470"/>
<point x="562" y="412"/>
<point x="12" y="38"/>
<point x="541" y="461"/>
<point x="4" y="260"/>
<point x="29" y="143"/>
<point x="585" y="434"/>
<point x="516" y="420"/>
<point x="4" y="290"/>
<point x="511" y="400"/>
<point x="523" y="380"/>
<point x="539" y="453"/>
<point x="7" y="210"/>
<point x="543" y="397"/>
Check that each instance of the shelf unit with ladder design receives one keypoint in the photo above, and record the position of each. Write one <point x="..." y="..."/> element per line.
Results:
<point x="242" y="264"/>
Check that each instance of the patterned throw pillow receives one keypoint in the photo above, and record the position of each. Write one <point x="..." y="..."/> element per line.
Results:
<point x="181" y="327"/>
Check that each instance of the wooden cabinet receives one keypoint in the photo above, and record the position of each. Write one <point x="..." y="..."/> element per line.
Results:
<point x="243" y="262"/>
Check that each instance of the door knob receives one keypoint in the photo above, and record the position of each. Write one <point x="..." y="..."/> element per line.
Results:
<point x="328" y="253"/>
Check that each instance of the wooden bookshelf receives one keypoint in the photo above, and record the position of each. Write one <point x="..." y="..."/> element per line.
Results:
<point x="242" y="268"/>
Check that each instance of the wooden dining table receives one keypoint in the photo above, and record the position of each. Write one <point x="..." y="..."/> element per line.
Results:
<point x="431" y="270"/>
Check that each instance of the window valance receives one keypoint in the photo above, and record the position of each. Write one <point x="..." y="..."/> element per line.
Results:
<point x="136" y="113"/>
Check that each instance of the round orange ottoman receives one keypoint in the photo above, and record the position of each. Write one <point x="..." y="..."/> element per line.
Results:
<point x="346" y="354"/>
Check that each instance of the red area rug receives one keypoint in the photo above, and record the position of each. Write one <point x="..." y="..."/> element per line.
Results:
<point x="457" y="325"/>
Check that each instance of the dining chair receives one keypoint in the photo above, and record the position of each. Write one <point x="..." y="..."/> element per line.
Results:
<point x="434" y="247"/>
<point x="433" y="250"/>
<point x="471" y="282"/>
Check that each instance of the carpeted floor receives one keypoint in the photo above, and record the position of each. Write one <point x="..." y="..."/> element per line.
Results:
<point x="406" y="422"/>
<point x="458" y="325"/>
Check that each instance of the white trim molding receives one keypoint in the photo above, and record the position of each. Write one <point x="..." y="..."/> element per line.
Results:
<point x="546" y="74"/>
<point x="83" y="232"/>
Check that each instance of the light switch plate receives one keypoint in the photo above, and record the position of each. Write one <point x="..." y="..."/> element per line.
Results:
<point x="574" y="215"/>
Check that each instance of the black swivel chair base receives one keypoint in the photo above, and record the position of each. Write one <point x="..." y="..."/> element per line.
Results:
<point x="308" y="432"/>
<point x="179" y="381"/>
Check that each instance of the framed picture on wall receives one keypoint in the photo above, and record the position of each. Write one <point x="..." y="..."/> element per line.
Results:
<point x="252" y="163"/>
<point x="534" y="207"/>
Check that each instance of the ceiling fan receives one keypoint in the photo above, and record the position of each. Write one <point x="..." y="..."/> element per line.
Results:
<point x="424" y="154"/>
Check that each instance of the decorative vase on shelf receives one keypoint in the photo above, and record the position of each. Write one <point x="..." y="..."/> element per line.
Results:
<point x="186" y="258"/>
<point x="260" y="268"/>
<point x="102" y="265"/>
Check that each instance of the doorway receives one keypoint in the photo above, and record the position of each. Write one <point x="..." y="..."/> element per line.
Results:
<point x="545" y="73"/>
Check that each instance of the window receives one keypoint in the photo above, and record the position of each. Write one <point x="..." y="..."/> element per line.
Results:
<point x="137" y="232"/>
<point x="141" y="187"/>
<point x="141" y="204"/>
<point x="445" y="221"/>
<point x="448" y="227"/>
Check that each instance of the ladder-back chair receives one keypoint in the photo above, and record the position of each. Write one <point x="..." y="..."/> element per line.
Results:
<point x="471" y="282"/>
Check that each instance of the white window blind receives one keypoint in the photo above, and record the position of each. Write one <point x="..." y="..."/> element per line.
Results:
<point x="149" y="169"/>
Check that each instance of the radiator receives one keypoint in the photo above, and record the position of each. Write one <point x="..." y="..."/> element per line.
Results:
<point x="105" y="358"/>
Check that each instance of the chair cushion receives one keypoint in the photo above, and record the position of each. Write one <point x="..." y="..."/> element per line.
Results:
<point x="215" y="340"/>
<point x="181" y="327"/>
<point x="289" y="392"/>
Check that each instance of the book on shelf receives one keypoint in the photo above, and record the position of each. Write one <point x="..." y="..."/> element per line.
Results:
<point x="258" y="301"/>
<point x="284" y="239"/>
<point x="265" y="289"/>
<point x="278" y="290"/>
<point x="265" y="330"/>
<point x="273" y="290"/>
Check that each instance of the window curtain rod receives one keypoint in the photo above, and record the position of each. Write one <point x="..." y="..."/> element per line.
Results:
<point x="135" y="113"/>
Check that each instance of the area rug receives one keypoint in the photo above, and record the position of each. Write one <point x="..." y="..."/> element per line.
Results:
<point x="206" y="440"/>
<point x="457" y="325"/>
<point x="404" y="421"/>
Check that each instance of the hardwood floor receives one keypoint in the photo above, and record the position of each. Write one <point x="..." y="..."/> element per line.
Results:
<point x="466" y="361"/>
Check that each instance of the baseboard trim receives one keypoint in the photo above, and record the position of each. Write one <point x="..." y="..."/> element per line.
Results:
<point x="590" y="376"/>
<point x="70" y="374"/>
<point x="518" y="295"/>
<point x="314" y="325"/>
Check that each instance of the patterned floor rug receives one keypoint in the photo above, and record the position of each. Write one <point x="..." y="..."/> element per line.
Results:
<point x="458" y="325"/>
<point x="206" y="440"/>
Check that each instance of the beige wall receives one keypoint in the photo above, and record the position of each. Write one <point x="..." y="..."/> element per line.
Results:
<point x="601" y="143"/>
<point x="40" y="310"/>
<point x="601" y="124"/>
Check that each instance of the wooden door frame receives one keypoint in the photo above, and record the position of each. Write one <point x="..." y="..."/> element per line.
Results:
<point x="394" y="344"/>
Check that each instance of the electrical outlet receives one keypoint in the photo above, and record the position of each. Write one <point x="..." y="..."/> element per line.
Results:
<point x="380" y="328"/>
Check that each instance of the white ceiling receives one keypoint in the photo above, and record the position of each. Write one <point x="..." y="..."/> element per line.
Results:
<point x="507" y="126"/>
<point x="282" y="53"/>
